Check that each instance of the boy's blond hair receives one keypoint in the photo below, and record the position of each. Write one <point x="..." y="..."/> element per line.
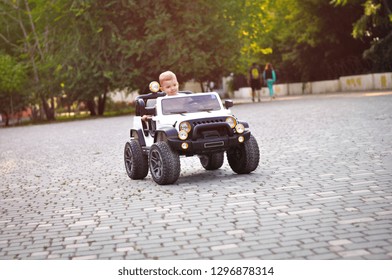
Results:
<point x="167" y="76"/>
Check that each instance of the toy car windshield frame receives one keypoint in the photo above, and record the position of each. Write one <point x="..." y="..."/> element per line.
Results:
<point x="190" y="104"/>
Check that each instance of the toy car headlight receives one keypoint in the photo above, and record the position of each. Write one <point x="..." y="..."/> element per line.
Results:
<point x="231" y="121"/>
<point x="186" y="126"/>
<point x="240" y="128"/>
<point x="154" y="86"/>
<point x="182" y="134"/>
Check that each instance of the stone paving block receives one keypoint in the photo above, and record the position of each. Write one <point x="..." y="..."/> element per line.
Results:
<point x="295" y="231"/>
<point x="327" y="256"/>
<point x="281" y="256"/>
<point x="255" y="254"/>
<point x="353" y="253"/>
<point x="224" y="247"/>
<point x="159" y="254"/>
<point x="300" y="236"/>
<point x="172" y="235"/>
<point x="230" y="256"/>
<point x="377" y="237"/>
<point x="125" y="249"/>
<point x="190" y="256"/>
<point x="105" y="242"/>
<point x="357" y="220"/>
<point x="285" y="249"/>
<point x="376" y="257"/>
<point x="378" y="250"/>
<point x="339" y="242"/>
<point x="326" y="237"/>
<point x="265" y="246"/>
<point x="211" y="255"/>
<point x="235" y="232"/>
<point x="162" y="249"/>
<point x="89" y="248"/>
<point x="88" y="257"/>
<point x="134" y="256"/>
<point x="301" y="254"/>
<point x="107" y="256"/>
<point x="314" y="245"/>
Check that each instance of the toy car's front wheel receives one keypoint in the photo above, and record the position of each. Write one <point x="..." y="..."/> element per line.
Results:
<point x="244" y="158"/>
<point x="136" y="163"/>
<point x="212" y="161"/>
<point x="164" y="164"/>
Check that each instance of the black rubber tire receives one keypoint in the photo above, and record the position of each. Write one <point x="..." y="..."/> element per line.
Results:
<point x="212" y="161"/>
<point x="136" y="163"/>
<point x="165" y="166"/>
<point x="244" y="158"/>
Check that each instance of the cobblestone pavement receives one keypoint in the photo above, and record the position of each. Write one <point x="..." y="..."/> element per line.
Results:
<point x="323" y="189"/>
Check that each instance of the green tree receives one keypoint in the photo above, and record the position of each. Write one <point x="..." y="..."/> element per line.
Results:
<point x="305" y="39"/>
<point x="315" y="42"/>
<point x="192" y="38"/>
<point x="93" y="65"/>
<point x="251" y="22"/>
<point x="32" y="30"/>
<point x="12" y="81"/>
<point x="375" y="26"/>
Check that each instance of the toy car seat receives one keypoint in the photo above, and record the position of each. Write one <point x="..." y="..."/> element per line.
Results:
<point x="142" y="109"/>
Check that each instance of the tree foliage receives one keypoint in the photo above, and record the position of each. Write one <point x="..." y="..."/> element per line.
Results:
<point x="125" y="44"/>
<point x="31" y="30"/>
<point x="308" y="39"/>
<point x="192" y="38"/>
<point x="375" y="26"/>
<point x="12" y="80"/>
<point x="82" y="49"/>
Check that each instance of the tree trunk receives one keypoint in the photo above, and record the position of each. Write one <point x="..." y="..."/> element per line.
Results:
<point x="7" y="119"/>
<point x="202" y="87"/>
<point x="91" y="107"/>
<point x="49" y="112"/>
<point x="52" y="109"/>
<point x="101" y="104"/>
<point x="35" y="113"/>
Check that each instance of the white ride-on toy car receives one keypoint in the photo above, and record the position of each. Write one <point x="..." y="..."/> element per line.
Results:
<point x="186" y="124"/>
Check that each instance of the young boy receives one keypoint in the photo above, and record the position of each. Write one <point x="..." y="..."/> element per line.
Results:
<point x="169" y="85"/>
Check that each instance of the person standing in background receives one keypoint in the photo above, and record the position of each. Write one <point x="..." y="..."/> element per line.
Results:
<point x="269" y="77"/>
<point x="255" y="80"/>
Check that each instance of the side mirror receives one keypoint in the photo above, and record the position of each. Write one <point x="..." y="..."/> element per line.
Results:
<point x="229" y="103"/>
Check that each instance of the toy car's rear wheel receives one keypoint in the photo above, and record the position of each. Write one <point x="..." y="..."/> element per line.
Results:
<point x="164" y="164"/>
<point x="244" y="158"/>
<point x="136" y="164"/>
<point x="212" y="161"/>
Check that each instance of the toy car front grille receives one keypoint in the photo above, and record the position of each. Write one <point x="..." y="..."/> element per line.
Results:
<point x="210" y="128"/>
<point x="207" y="121"/>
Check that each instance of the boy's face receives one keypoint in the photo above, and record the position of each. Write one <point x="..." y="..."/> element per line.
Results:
<point x="170" y="86"/>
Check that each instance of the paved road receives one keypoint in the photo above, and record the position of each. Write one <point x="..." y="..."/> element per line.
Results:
<point x="323" y="190"/>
